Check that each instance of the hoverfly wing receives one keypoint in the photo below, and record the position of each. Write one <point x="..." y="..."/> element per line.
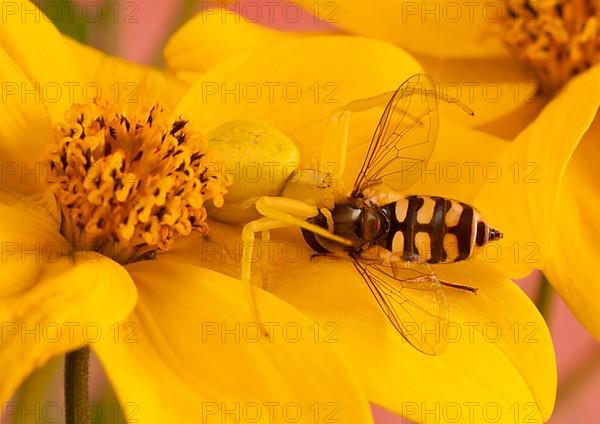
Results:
<point x="404" y="138"/>
<point x="413" y="300"/>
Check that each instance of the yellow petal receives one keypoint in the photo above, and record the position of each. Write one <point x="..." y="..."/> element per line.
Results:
<point x="524" y="198"/>
<point x="122" y="81"/>
<point x="37" y="389"/>
<point x="492" y="87"/>
<point x="295" y="85"/>
<point x="571" y="267"/>
<point x="523" y="335"/>
<point x="499" y="357"/>
<point x="29" y="231"/>
<point x="212" y="36"/>
<point x="510" y="125"/>
<point x="25" y="129"/>
<point x="457" y="166"/>
<point x="71" y="302"/>
<point x="437" y="28"/>
<point x="36" y="46"/>
<point x="193" y="332"/>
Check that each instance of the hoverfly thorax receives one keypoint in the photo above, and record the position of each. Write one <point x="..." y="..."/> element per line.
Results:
<point x="374" y="225"/>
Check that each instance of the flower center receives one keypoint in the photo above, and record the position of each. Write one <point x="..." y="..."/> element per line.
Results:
<point x="557" y="38"/>
<point x="129" y="184"/>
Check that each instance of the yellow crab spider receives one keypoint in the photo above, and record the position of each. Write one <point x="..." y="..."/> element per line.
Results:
<point x="304" y="196"/>
<point x="312" y="193"/>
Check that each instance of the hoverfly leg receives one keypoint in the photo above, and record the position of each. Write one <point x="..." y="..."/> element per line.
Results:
<point x="410" y="265"/>
<point x="315" y="257"/>
<point x="412" y="258"/>
<point x="460" y="287"/>
<point x="414" y="262"/>
<point x="146" y="256"/>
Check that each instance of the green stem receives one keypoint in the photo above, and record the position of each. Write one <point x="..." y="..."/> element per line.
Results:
<point x="76" y="386"/>
<point x="544" y="298"/>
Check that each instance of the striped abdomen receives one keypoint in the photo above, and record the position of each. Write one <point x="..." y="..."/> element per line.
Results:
<point x="436" y="229"/>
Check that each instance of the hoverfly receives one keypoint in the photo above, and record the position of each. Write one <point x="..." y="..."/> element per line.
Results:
<point x="393" y="239"/>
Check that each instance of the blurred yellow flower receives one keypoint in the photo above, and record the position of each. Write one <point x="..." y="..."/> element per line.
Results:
<point x="326" y="73"/>
<point x="91" y="192"/>
<point x="508" y="61"/>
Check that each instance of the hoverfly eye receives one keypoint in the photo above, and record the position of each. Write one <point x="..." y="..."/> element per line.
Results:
<point x="370" y="226"/>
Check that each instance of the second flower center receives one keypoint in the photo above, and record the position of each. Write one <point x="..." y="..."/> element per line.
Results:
<point x="558" y="39"/>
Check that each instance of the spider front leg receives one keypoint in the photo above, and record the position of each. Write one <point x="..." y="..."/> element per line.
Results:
<point x="295" y="213"/>
<point x="263" y="226"/>
<point x="335" y="144"/>
<point x="279" y="212"/>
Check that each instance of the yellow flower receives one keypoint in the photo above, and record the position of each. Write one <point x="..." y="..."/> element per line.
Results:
<point x="331" y="72"/>
<point x="507" y="64"/>
<point x="90" y="193"/>
<point x="525" y="52"/>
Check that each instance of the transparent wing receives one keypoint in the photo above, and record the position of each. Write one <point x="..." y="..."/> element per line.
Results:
<point x="413" y="300"/>
<point x="404" y="138"/>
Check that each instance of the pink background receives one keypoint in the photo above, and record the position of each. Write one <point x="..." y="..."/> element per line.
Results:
<point x="578" y="354"/>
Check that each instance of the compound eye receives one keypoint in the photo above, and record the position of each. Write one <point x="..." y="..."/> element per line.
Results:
<point x="370" y="225"/>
